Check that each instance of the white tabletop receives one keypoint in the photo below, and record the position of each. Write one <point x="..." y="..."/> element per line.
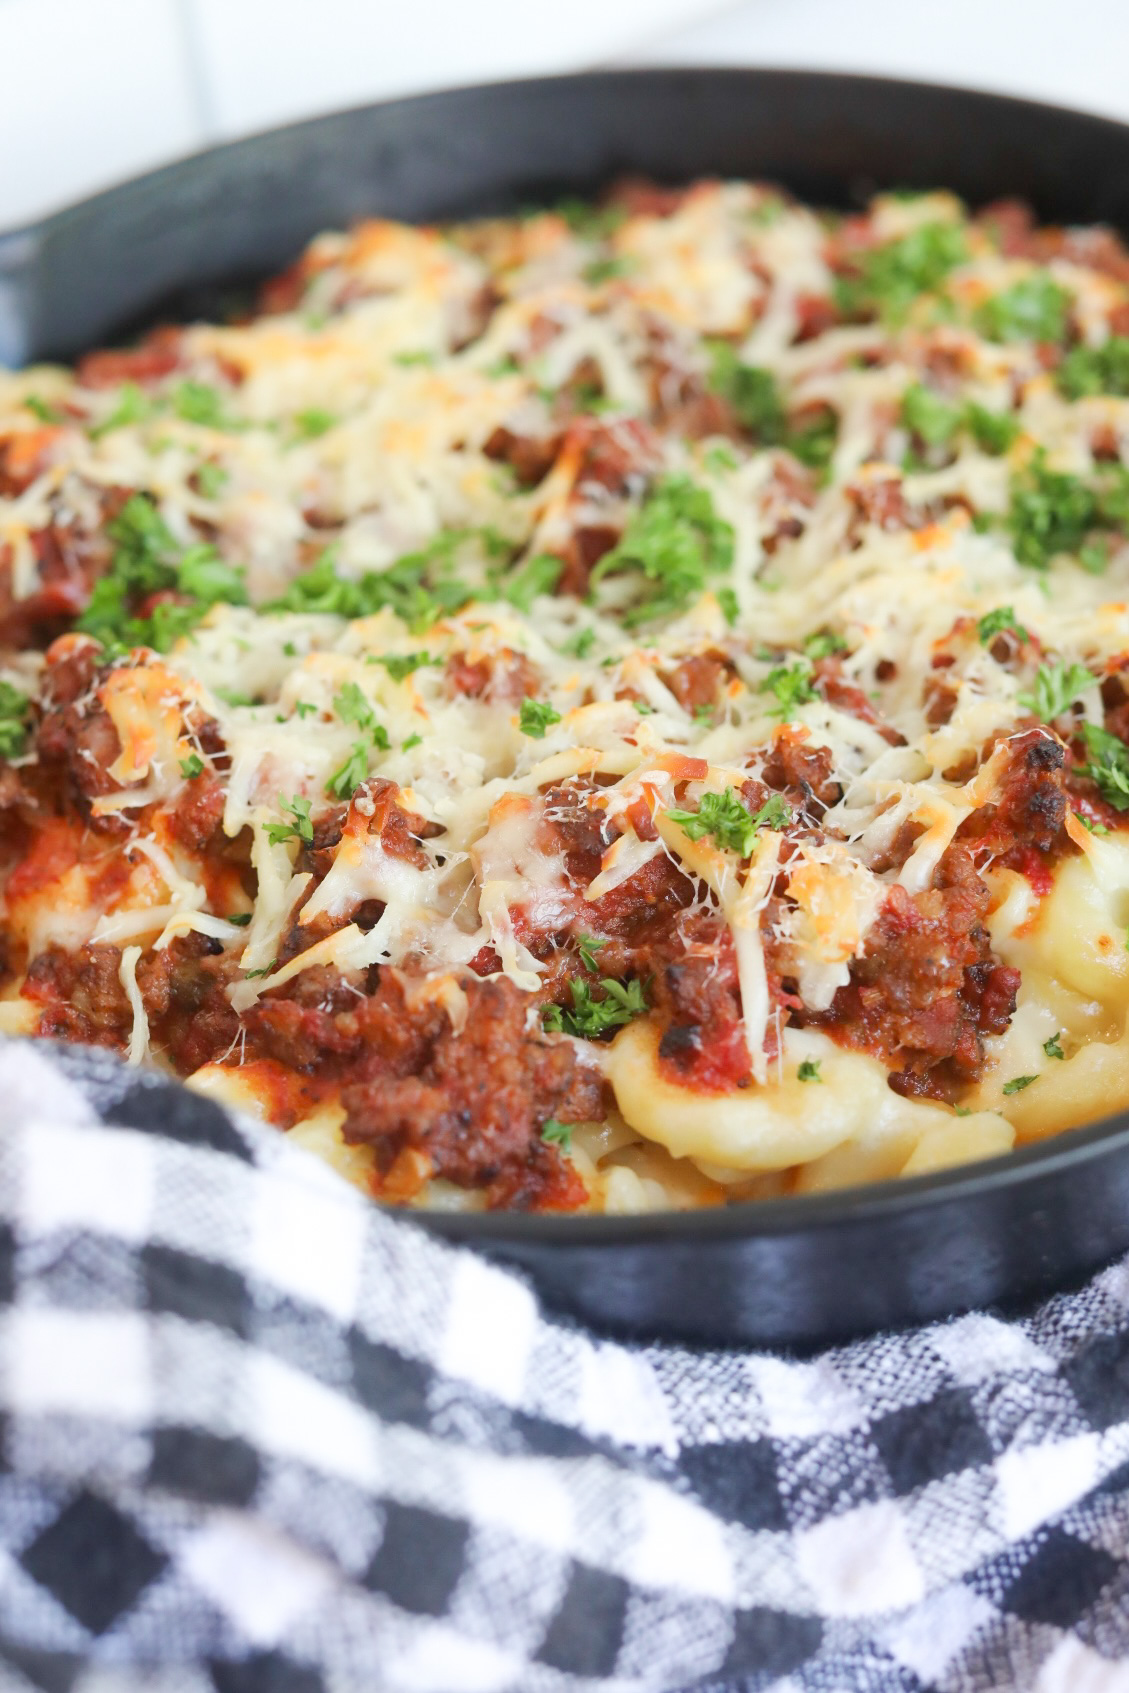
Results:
<point x="96" y="90"/>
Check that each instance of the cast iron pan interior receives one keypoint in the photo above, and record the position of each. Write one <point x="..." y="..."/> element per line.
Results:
<point x="800" y="1271"/>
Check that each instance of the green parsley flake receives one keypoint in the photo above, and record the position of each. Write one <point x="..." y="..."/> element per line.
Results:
<point x="412" y="741"/>
<point x="557" y="1134"/>
<point x="823" y="645"/>
<point x="536" y="716"/>
<point x="1034" y="309"/>
<point x="1089" y="824"/>
<point x="809" y="1070"/>
<point x="1002" y="621"/>
<point x="890" y="278"/>
<point x="730" y="822"/>
<point x="608" y="269"/>
<point x="40" y="409"/>
<point x="301" y="828"/>
<point x="539" y="575"/>
<point x="309" y="425"/>
<point x="1057" y="687"/>
<point x="211" y="479"/>
<point x="15" y="712"/>
<point x="199" y="402"/>
<point x="344" y="782"/>
<point x="1051" y="512"/>
<point x="1018" y="1083"/>
<point x="351" y="706"/>
<point x="588" y="946"/>
<point x="1053" y="1047"/>
<point x="676" y="540"/>
<point x="401" y="665"/>
<point x="993" y="431"/>
<point x="133" y="406"/>
<point x="929" y="417"/>
<point x="581" y="645"/>
<point x="791" y="683"/>
<point x="588" y="1017"/>
<point x="1108" y="766"/>
<point x="147" y="560"/>
<point x="1086" y="371"/>
<point x="191" y="767"/>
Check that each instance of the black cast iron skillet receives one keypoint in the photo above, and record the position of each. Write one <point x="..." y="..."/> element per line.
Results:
<point x="797" y="1271"/>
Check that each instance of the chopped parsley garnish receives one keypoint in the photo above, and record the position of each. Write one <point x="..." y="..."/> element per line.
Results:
<point x="643" y="708"/>
<point x="1095" y="370"/>
<point x="539" y="575"/>
<point x="929" y="417"/>
<point x="420" y="355"/>
<point x="676" y="539"/>
<point x="608" y="269"/>
<point x="727" y="600"/>
<point x="1094" y="557"/>
<point x="1018" y="1083"/>
<point x="133" y="406"/>
<point x="15" y="712"/>
<point x="304" y="708"/>
<point x="241" y="919"/>
<point x="1051" y="512"/>
<point x="791" y="683"/>
<point x="192" y="766"/>
<point x="823" y="644"/>
<point x="250" y="975"/>
<point x="590" y="1017"/>
<point x="703" y="715"/>
<point x="419" y="588"/>
<point x="581" y="645"/>
<point x="1108" y="766"/>
<point x="351" y="706"/>
<point x="352" y="773"/>
<point x="720" y="457"/>
<point x="730" y="822"/>
<point x="557" y="1134"/>
<point x="1057" y="686"/>
<point x="1034" y="309"/>
<point x="211" y="479"/>
<point x="536" y="716"/>
<point x="146" y="561"/>
<point x="308" y="425"/>
<point x="583" y="218"/>
<point x="588" y="946"/>
<point x="891" y="277"/>
<point x="993" y="431"/>
<point x="412" y="741"/>
<point x="809" y="1070"/>
<point x="1002" y="621"/>
<point x="40" y="409"/>
<point x="1053" y="1047"/>
<point x="400" y="665"/>
<point x="751" y="392"/>
<point x="754" y="396"/>
<point x="199" y="402"/>
<point x="301" y="828"/>
<point x="1089" y="824"/>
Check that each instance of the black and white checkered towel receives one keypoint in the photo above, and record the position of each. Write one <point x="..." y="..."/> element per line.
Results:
<point x="258" y="1437"/>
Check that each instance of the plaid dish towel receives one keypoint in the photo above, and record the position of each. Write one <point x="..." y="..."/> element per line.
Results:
<point x="259" y="1437"/>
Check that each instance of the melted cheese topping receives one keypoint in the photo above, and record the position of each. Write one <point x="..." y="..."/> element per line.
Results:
<point x="449" y="406"/>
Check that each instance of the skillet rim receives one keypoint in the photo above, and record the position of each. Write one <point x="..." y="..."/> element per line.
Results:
<point x="817" y="1213"/>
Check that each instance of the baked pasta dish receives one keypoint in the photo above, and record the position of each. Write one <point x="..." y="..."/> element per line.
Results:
<point x="619" y="707"/>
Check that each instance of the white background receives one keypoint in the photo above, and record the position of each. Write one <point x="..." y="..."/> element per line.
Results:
<point x="95" y="90"/>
